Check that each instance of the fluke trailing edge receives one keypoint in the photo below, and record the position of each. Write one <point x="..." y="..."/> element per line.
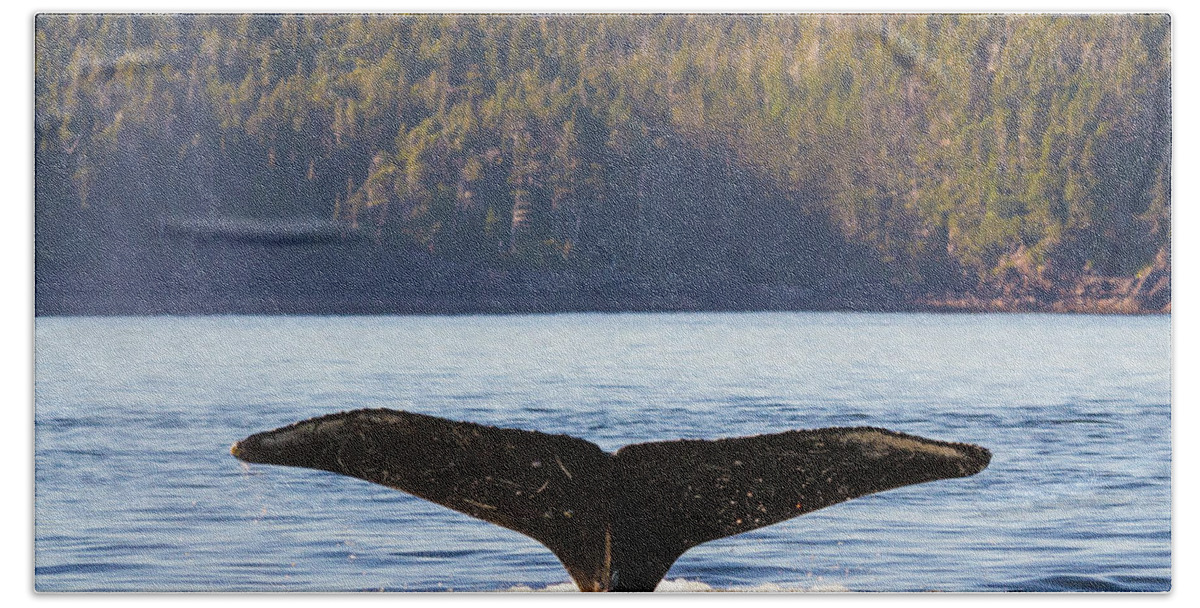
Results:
<point x="616" y="521"/>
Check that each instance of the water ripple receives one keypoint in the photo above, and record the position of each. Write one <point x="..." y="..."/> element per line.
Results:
<point x="136" y="490"/>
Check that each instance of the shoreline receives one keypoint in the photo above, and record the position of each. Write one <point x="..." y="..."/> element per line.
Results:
<point x="962" y="305"/>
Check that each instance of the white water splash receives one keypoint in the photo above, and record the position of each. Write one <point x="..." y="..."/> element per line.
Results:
<point x="681" y="585"/>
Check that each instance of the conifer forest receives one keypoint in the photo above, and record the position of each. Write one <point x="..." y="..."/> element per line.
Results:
<point x="538" y="163"/>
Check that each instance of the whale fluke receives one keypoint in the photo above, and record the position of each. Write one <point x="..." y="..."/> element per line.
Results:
<point x="616" y="521"/>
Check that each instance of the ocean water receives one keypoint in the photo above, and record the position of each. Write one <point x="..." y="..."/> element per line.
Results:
<point x="135" y="489"/>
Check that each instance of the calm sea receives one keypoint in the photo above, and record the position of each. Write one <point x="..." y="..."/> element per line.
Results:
<point x="136" y="490"/>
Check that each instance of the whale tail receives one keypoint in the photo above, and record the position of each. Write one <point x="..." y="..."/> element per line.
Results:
<point x="617" y="522"/>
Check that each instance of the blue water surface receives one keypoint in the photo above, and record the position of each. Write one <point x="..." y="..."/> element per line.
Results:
<point x="136" y="490"/>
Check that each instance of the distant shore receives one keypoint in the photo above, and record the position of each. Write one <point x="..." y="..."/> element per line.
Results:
<point x="514" y="302"/>
<point x="1105" y="306"/>
<point x="307" y="272"/>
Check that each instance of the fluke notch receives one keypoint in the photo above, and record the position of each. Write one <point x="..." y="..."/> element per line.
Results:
<point x="616" y="521"/>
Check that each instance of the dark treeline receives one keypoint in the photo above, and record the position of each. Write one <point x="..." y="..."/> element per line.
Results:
<point x="602" y="162"/>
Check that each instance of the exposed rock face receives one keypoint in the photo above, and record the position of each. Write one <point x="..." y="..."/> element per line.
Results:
<point x="1023" y="287"/>
<point x="1152" y="290"/>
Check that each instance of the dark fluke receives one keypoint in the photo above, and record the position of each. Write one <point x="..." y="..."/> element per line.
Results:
<point x="616" y="521"/>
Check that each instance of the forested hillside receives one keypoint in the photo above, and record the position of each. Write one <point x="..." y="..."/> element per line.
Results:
<point x="490" y="162"/>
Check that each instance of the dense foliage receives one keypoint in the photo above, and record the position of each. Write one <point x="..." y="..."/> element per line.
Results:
<point x="930" y="154"/>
